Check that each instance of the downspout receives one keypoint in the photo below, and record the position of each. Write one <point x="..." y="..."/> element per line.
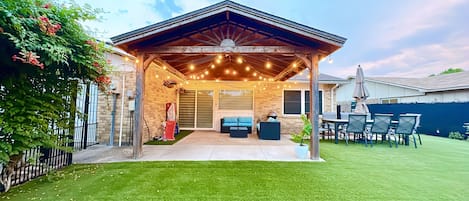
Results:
<point x="122" y="110"/>
<point x="332" y="96"/>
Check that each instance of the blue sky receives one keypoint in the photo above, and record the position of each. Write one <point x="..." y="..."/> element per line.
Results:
<point x="397" y="38"/>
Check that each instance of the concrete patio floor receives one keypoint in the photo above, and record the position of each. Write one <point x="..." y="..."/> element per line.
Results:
<point x="198" y="146"/>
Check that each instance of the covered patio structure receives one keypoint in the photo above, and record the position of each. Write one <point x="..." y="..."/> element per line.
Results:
<point x="225" y="43"/>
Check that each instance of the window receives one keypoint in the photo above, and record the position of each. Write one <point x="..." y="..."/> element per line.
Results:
<point x="297" y="102"/>
<point x="389" y="101"/>
<point x="307" y="102"/>
<point x="292" y="102"/>
<point x="235" y="100"/>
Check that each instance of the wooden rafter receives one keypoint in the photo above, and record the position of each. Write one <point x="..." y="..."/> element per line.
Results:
<point x="287" y="70"/>
<point x="170" y="68"/>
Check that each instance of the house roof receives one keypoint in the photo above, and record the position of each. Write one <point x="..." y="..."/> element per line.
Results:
<point x="224" y="7"/>
<point x="447" y="82"/>
<point x="229" y="41"/>
<point x="322" y="78"/>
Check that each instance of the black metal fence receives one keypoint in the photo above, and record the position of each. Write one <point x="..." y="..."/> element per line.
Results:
<point x="437" y="118"/>
<point x="40" y="161"/>
<point x="86" y="125"/>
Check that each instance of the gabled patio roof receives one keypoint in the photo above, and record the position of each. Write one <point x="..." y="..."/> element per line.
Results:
<point x="229" y="41"/>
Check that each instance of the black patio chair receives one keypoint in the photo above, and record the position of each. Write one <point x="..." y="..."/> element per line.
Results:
<point x="405" y="129"/>
<point x="356" y="126"/>
<point x="381" y="124"/>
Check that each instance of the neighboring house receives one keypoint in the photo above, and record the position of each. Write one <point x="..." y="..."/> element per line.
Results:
<point x="436" y="89"/>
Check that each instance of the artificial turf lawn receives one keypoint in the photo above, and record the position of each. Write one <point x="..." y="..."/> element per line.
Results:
<point x="438" y="170"/>
<point x="182" y="134"/>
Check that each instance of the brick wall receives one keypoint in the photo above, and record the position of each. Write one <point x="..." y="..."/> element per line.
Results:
<point x="268" y="96"/>
<point x="105" y="106"/>
<point x="155" y="98"/>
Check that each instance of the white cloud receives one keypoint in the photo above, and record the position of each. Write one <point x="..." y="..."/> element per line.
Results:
<point x="420" y="61"/>
<point x="411" y="20"/>
<point x="122" y="16"/>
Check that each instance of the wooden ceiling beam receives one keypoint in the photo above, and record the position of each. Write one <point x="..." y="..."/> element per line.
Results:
<point x="224" y="50"/>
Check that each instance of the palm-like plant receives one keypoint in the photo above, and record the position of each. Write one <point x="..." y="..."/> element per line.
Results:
<point x="305" y="132"/>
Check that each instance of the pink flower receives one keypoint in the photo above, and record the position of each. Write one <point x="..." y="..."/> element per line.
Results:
<point x="46" y="6"/>
<point x="44" y="19"/>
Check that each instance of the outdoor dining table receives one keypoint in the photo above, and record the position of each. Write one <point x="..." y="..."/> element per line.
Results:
<point x="338" y="122"/>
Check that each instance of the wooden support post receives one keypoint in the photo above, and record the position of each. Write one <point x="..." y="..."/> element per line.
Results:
<point x="311" y="61"/>
<point x="140" y="88"/>
<point x="314" y="106"/>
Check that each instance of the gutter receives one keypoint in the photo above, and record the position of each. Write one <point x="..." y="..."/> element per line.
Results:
<point x="332" y="96"/>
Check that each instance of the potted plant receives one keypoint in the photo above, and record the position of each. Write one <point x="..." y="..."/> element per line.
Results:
<point x="302" y="149"/>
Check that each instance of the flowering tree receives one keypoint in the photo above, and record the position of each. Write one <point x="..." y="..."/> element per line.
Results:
<point x="44" y="53"/>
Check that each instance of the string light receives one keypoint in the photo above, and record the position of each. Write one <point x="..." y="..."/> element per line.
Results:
<point x="157" y="76"/>
<point x="239" y="60"/>
<point x="187" y="82"/>
<point x="218" y="61"/>
<point x="167" y="77"/>
<point x="217" y="80"/>
<point x="126" y="58"/>
<point x="136" y="61"/>
<point x="191" y="67"/>
<point x="164" y="67"/>
<point x="254" y="74"/>
<point x="206" y="72"/>
<point x="268" y="65"/>
<point x="234" y="72"/>
<point x="248" y="68"/>
<point x="295" y="65"/>
<point x="227" y="71"/>
<point x="245" y="79"/>
<point x="212" y="66"/>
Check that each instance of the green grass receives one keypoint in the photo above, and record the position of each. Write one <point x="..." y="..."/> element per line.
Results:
<point x="182" y="134"/>
<point x="438" y="170"/>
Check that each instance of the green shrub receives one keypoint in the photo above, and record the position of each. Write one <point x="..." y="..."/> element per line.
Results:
<point x="456" y="135"/>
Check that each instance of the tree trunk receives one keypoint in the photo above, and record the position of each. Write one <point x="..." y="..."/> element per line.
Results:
<point x="9" y="170"/>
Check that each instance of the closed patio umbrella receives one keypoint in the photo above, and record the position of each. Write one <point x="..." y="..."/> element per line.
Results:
<point x="360" y="93"/>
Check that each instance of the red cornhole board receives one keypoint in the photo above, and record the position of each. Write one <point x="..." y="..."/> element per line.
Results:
<point x="169" y="130"/>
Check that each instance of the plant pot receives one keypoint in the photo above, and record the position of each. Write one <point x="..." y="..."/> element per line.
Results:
<point x="302" y="151"/>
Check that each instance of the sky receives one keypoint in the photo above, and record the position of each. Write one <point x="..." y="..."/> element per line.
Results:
<point x="387" y="38"/>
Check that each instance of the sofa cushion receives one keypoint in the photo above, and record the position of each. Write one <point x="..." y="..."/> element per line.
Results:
<point x="230" y="120"/>
<point x="230" y="124"/>
<point x="245" y="120"/>
<point x="245" y="124"/>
